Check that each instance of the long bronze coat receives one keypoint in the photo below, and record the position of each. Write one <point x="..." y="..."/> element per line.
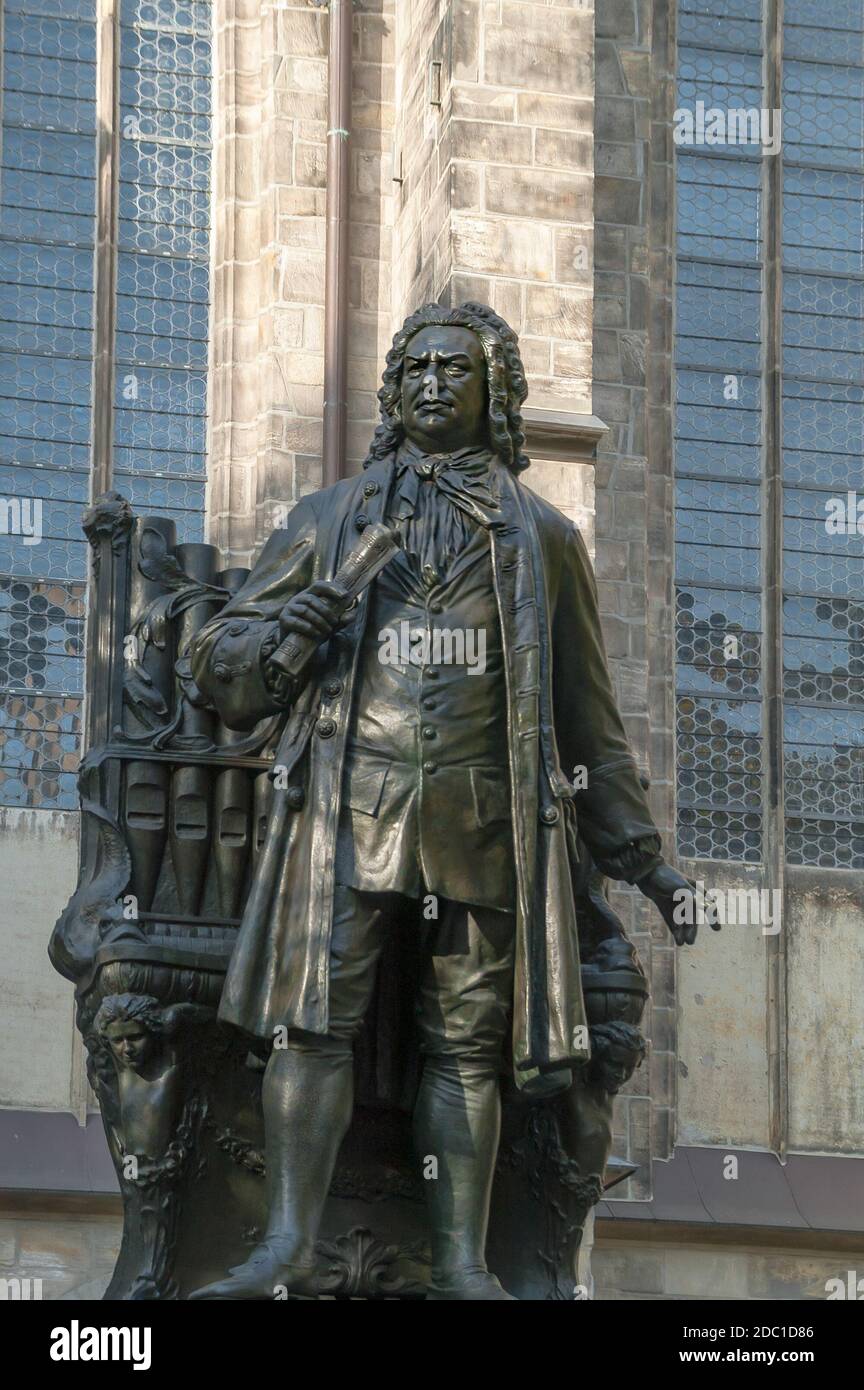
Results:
<point x="561" y="715"/>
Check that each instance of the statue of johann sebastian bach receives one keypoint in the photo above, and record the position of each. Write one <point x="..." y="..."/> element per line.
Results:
<point x="409" y="778"/>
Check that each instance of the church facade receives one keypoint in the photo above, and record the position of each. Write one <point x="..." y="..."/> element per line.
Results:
<point x="665" y="199"/>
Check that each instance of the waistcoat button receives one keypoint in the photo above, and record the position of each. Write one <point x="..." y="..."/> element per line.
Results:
<point x="326" y="728"/>
<point x="549" y="815"/>
<point x="333" y="689"/>
<point x="429" y="732"/>
<point x="370" y="488"/>
<point x="361" y="521"/>
<point x="429" y="768"/>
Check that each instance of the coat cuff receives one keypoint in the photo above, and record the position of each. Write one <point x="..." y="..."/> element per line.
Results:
<point x="616" y="823"/>
<point x="634" y="861"/>
<point x="282" y="687"/>
<point x="229" y="669"/>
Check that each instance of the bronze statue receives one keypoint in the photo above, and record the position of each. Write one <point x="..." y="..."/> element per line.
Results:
<point x="452" y="733"/>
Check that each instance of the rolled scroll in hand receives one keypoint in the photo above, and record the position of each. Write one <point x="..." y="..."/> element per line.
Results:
<point x="376" y="548"/>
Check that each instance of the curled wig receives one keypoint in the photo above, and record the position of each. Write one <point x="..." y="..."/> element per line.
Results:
<point x="505" y="376"/>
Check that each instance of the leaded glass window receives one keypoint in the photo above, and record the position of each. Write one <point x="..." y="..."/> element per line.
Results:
<point x="719" y="441"/>
<point x="163" y="272"/>
<point x="769" y="362"/>
<point x="47" y="246"/>
<point x="55" y="324"/>
<point x="823" y="430"/>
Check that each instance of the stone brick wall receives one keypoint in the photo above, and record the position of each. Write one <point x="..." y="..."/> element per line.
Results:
<point x="483" y="189"/>
<point x="632" y="371"/>
<point x="496" y="197"/>
<point x="743" y="1266"/>
<point x="267" y="366"/>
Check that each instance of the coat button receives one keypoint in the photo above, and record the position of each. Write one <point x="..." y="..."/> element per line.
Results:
<point x="429" y="703"/>
<point x="436" y="607"/>
<point x="549" y="815"/>
<point x="361" y="521"/>
<point x="432" y="673"/>
<point x="370" y="488"/>
<point x="429" y="768"/>
<point x="296" y="797"/>
<point x="326" y="728"/>
<point x="429" y="732"/>
<point x="333" y="689"/>
<point x="222" y="672"/>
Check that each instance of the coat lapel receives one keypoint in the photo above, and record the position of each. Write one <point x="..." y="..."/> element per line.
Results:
<point x="517" y="608"/>
<point x="547" y="995"/>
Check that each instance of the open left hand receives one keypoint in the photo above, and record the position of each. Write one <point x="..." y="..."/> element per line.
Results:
<point x="682" y="904"/>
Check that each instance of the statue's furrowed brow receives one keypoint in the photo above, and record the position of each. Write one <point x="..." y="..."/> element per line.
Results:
<point x="446" y="357"/>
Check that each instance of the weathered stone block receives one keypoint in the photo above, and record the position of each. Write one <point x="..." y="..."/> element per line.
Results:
<point x="574" y="256"/>
<point x="541" y="194"/>
<point x="558" y="312"/>
<point x="618" y="200"/>
<point x="508" y="300"/>
<point x="616" y="118"/>
<point x="501" y="247"/>
<point x="302" y="277"/>
<point x="535" y="58"/>
<point x="466" y="187"/>
<point x="610" y="311"/>
<point x="310" y="165"/>
<point x="572" y="359"/>
<point x="575" y="114"/>
<point x="536" y="355"/>
<point x="616" y="19"/>
<point x="482" y="103"/>
<point x="624" y="161"/>
<point x="288" y="328"/>
<point x="490" y="142"/>
<point x="466" y="40"/>
<point x="715" y="1274"/>
<point x="630" y="1270"/>
<point x="562" y="149"/>
<point x="609" y="74"/>
<point x="299" y="33"/>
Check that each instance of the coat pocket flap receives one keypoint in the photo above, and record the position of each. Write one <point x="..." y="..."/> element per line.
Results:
<point x="490" y="788"/>
<point x="364" y="785"/>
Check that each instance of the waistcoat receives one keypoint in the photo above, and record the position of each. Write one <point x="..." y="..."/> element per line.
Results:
<point x="426" y="802"/>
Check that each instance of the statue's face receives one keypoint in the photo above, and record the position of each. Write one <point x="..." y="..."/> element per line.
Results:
<point x="130" y="1042"/>
<point x="445" y="397"/>
<point x="616" y="1068"/>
